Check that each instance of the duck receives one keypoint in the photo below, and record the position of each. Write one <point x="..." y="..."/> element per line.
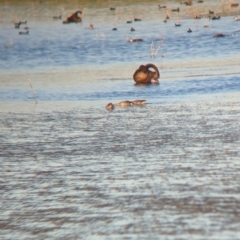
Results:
<point x="112" y="8"/>
<point x="218" y="35"/>
<point x="114" y="29"/>
<point x="74" y="18"/>
<point x="129" y="21"/>
<point x="132" y="29"/>
<point x="137" y="19"/>
<point x="135" y="40"/>
<point x="124" y="103"/>
<point x="110" y="106"/>
<point x="216" y="17"/>
<point x="175" y="9"/>
<point x="177" y="24"/>
<point x="22" y="33"/>
<point x="139" y="102"/>
<point x="189" y="30"/>
<point x="234" y="5"/>
<point x="159" y="6"/>
<point x="17" y="25"/>
<point x="57" y="17"/>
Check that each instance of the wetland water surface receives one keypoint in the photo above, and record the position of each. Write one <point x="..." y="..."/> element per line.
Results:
<point x="72" y="170"/>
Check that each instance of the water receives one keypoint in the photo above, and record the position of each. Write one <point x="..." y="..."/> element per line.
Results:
<point x="72" y="170"/>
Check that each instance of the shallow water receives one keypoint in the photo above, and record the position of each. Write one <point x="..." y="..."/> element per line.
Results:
<point x="73" y="170"/>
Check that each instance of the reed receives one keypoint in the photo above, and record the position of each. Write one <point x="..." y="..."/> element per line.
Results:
<point x="153" y="51"/>
<point x="33" y="93"/>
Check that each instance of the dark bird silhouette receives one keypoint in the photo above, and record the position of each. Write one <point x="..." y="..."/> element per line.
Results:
<point x="145" y="76"/>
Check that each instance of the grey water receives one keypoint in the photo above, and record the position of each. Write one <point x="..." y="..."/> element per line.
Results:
<point x="70" y="169"/>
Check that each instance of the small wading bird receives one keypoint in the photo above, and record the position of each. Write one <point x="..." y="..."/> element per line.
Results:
<point x="111" y="106"/>
<point x="145" y="76"/>
<point x="74" y="18"/>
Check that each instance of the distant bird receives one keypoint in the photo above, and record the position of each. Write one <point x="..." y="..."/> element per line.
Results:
<point x="175" y="9"/>
<point x="139" y="102"/>
<point x="57" y="17"/>
<point x="137" y="19"/>
<point x="189" y="30"/>
<point x="216" y="17"/>
<point x="132" y="29"/>
<point x="218" y="35"/>
<point x="23" y="33"/>
<point x="114" y="29"/>
<point x="200" y="1"/>
<point x="110" y="106"/>
<point x="129" y="21"/>
<point x="74" y="18"/>
<point x="234" y="5"/>
<point x="211" y="12"/>
<point x="112" y="8"/>
<point x="17" y="25"/>
<point x="177" y="24"/>
<point x="159" y="6"/>
<point x="124" y="104"/>
<point x="236" y="18"/>
<point x="135" y="40"/>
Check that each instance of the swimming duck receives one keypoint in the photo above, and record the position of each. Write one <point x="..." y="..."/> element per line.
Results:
<point x="124" y="104"/>
<point x="114" y="29"/>
<point x="132" y="29"/>
<point x="189" y="30"/>
<point x="216" y="17"/>
<point x="177" y="24"/>
<point x="175" y="9"/>
<point x="22" y="33"/>
<point x="137" y="19"/>
<point x="139" y="102"/>
<point x="74" y="18"/>
<point x="129" y="21"/>
<point x="110" y="106"/>
<point x="218" y="35"/>
<point x="234" y="5"/>
<point x="159" y="6"/>
<point x="135" y="40"/>
<point x="112" y="8"/>
<point x="17" y="25"/>
<point x="57" y="17"/>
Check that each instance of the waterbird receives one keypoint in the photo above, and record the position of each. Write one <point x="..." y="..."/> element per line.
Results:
<point x="175" y="9"/>
<point x="114" y="29"/>
<point x="74" y="18"/>
<point x="189" y="30"/>
<point x="218" y="35"/>
<point x="132" y="29"/>
<point x="135" y="40"/>
<point x="57" y="17"/>
<point x="112" y="8"/>
<point x="23" y="33"/>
